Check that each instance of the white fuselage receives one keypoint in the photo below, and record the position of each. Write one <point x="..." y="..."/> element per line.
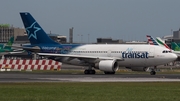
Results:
<point x="132" y="55"/>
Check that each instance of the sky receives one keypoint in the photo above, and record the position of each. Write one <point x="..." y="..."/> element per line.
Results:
<point x="130" y="20"/>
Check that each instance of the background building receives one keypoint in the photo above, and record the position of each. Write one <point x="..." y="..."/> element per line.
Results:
<point x="6" y="32"/>
<point x="20" y="35"/>
<point x="175" y="37"/>
<point x="108" y="41"/>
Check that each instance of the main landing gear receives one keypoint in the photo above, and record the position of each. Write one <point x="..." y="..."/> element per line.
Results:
<point x="89" y="71"/>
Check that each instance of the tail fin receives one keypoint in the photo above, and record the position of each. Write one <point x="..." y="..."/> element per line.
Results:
<point x="9" y="44"/>
<point x="36" y="34"/>
<point x="151" y="40"/>
<point x="160" y="41"/>
<point x="1" y="46"/>
<point x="175" y="47"/>
<point x="157" y="41"/>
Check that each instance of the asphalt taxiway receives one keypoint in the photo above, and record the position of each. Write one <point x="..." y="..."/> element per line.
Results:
<point x="58" y="77"/>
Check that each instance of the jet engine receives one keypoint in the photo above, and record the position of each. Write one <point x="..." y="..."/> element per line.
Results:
<point x="107" y="65"/>
<point x="137" y="68"/>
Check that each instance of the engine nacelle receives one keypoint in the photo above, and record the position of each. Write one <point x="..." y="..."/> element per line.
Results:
<point x="107" y="65"/>
<point x="137" y="68"/>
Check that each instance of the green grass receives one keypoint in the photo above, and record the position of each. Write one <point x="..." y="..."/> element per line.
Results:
<point x="70" y="91"/>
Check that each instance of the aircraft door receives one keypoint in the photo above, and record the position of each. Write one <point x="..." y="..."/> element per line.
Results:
<point x="151" y="56"/>
<point x="151" y="53"/>
<point x="109" y="53"/>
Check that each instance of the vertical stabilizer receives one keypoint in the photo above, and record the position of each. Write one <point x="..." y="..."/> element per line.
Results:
<point x="36" y="34"/>
<point x="9" y="44"/>
<point x="151" y="40"/>
<point x="1" y="46"/>
<point x="161" y="42"/>
<point x="175" y="47"/>
<point x="158" y="41"/>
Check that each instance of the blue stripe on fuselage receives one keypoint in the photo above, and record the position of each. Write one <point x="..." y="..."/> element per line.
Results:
<point x="53" y="48"/>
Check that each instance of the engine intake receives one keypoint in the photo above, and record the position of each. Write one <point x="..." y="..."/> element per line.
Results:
<point x="107" y="65"/>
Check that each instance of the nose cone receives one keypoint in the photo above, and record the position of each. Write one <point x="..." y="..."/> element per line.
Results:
<point x="173" y="56"/>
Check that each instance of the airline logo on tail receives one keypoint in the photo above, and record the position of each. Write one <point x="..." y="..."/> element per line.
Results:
<point x="156" y="41"/>
<point x="9" y="44"/>
<point x="31" y="31"/>
<point x="175" y="47"/>
<point x="162" y="43"/>
<point x="151" y="40"/>
<point x="36" y="34"/>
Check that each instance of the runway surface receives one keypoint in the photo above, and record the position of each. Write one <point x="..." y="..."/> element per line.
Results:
<point x="58" y="77"/>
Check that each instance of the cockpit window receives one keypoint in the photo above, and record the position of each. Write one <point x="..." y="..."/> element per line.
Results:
<point x="166" y="51"/>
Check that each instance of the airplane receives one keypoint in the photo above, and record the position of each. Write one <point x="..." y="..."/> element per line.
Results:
<point x="175" y="46"/>
<point x="105" y="57"/>
<point x="158" y="41"/>
<point x="178" y="44"/>
<point x="6" y="49"/>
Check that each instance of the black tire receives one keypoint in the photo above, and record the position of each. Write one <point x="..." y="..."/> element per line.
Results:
<point x="86" y="71"/>
<point x="89" y="71"/>
<point x="92" y="71"/>
<point x="153" y="73"/>
<point x="109" y="72"/>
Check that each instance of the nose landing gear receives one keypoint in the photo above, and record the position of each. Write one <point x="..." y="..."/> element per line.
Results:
<point x="153" y="71"/>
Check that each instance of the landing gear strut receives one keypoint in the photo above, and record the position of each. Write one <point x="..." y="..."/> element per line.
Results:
<point x="153" y="72"/>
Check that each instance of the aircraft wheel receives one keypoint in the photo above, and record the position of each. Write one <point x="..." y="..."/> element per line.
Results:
<point x="153" y="73"/>
<point x="92" y="71"/>
<point x="86" y="71"/>
<point x="112" y="72"/>
<point x="89" y="71"/>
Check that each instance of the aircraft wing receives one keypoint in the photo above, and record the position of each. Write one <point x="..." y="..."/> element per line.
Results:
<point x="177" y="53"/>
<point x="81" y="56"/>
<point x="32" y="49"/>
<point x="6" y="53"/>
<point x="15" y="52"/>
<point x="3" y="53"/>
